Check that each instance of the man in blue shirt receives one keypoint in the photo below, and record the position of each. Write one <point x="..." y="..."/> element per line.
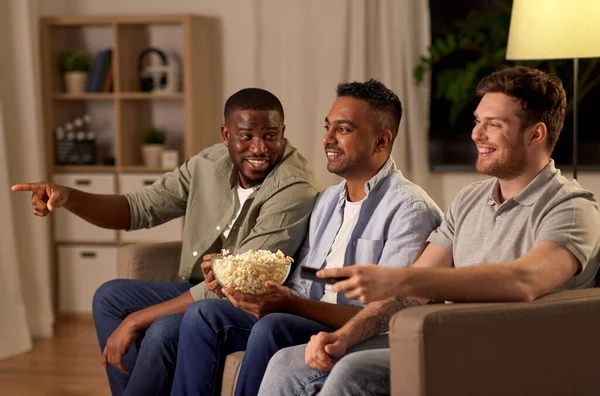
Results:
<point x="374" y="215"/>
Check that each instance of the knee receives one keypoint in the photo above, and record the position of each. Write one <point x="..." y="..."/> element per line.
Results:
<point x="269" y="326"/>
<point x="350" y="366"/>
<point x="287" y="357"/>
<point x="199" y="314"/>
<point x="163" y="332"/>
<point x="104" y="297"/>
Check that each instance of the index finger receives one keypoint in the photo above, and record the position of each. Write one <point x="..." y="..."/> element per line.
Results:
<point x="336" y="272"/>
<point x="27" y="187"/>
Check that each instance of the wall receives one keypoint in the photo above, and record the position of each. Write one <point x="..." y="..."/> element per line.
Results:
<point x="239" y="70"/>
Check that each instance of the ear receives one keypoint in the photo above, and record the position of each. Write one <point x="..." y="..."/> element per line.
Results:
<point x="225" y="135"/>
<point x="537" y="134"/>
<point x="283" y="130"/>
<point x="384" y="140"/>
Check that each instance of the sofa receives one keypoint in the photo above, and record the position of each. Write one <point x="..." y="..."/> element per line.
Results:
<point x="546" y="347"/>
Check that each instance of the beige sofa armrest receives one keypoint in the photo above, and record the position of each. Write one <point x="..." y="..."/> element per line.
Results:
<point x="149" y="261"/>
<point x="547" y="347"/>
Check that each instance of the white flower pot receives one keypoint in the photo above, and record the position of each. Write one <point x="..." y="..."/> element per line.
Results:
<point x="152" y="154"/>
<point x="76" y="82"/>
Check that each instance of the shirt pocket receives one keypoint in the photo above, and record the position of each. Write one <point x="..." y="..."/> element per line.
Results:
<point x="368" y="251"/>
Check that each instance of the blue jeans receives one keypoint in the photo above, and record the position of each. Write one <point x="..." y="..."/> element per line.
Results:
<point x="151" y="358"/>
<point x="212" y="329"/>
<point x="363" y="370"/>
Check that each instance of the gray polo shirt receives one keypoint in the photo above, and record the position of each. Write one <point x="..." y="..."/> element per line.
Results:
<point x="203" y="189"/>
<point x="477" y="229"/>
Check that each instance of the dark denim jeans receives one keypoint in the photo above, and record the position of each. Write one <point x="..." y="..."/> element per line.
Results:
<point x="212" y="329"/>
<point x="151" y="359"/>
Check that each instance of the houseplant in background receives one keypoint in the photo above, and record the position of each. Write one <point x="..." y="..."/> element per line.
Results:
<point x="75" y="66"/>
<point x="153" y="147"/>
<point x="461" y="53"/>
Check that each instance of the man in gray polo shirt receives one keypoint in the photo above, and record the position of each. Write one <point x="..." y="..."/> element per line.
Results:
<point x="523" y="234"/>
<point x="254" y="191"/>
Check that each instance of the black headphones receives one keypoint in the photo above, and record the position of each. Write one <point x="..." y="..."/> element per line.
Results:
<point x="147" y="82"/>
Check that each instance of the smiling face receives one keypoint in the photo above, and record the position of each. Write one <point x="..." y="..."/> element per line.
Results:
<point x="255" y="141"/>
<point x="499" y="136"/>
<point x="351" y="138"/>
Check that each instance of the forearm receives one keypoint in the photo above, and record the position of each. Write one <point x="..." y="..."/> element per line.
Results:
<point x="374" y="319"/>
<point x="333" y="315"/>
<point x="144" y="318"/>
<point x="102" y="210"/>
<point x="480" y="283"/>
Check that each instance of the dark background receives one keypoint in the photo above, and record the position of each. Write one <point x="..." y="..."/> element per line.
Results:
<point x="451" y="148"/>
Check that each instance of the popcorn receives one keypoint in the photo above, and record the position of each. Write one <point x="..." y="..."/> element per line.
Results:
<point x="248" y="272"/>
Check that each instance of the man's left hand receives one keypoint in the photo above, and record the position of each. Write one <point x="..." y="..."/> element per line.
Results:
<point x="276" y="299"/>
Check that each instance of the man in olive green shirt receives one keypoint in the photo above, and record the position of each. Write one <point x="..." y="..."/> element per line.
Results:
<point x="254" y="192"/>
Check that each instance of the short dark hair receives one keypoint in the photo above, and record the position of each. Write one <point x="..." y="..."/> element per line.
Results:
<point x="542" y="97"/>
<point x="380" y="97"/>
<point x="252" y="99"/>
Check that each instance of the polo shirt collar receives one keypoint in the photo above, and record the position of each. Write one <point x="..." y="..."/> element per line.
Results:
<point x="532" y="191"/>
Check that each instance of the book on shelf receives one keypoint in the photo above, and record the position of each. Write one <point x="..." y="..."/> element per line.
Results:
<point x="101" y="71"/>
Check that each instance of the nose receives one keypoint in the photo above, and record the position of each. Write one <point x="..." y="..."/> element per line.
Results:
<point x="477" y="132"/>
<point x="258" y="146"/>
<point x="329" y="137"/>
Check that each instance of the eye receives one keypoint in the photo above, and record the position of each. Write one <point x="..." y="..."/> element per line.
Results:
<point x="494" y="125"/>
<point x="476" y="122"/>
<point x="271" y="136"/>
<point x="343" y="129"/>
<point x="326" y="127"/>
<point x="245" y="136"/>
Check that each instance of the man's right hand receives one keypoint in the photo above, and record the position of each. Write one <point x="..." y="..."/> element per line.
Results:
<point x="209" y="277"/>
<point x="117" y="345"/>
<point x="45" y="196"/>
<point x="321" y="348"/>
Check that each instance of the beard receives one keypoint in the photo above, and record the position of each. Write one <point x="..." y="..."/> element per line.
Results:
<point x="512" y="165"/>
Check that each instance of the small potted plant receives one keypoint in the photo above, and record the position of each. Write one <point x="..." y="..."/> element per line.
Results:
<point x="153" y="147"/>
<point x="76" y="66"/>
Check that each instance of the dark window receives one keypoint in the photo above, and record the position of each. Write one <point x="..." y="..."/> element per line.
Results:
<point x="450" y="145"/>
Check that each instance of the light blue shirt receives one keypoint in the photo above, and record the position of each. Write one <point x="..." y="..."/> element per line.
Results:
<point x="391" y="228"/>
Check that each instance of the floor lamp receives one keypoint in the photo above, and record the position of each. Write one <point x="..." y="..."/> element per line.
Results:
<point x="556" y="29"/>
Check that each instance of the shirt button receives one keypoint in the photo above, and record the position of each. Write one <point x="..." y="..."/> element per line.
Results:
<point x="183" y="278"/>
<point x="324" y="253"/>
<point x="194" y="253"/>
<point x="218" y="228"/>
<point x="339" y="221"/>
<point x="498" y="217"/>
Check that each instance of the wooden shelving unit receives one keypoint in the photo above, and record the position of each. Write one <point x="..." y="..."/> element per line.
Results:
<point x="191" y="116"/>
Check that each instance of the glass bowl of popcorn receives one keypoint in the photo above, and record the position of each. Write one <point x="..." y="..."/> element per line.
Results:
<point x="248" y="272"/>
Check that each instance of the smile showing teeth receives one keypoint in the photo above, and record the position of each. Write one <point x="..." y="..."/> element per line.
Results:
<point x="257" y="162"/>
<point x="485" y="150"/>
<point x="331" y="154"/>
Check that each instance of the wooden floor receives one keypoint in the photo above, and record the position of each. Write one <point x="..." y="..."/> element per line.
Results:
<point x="67" y="365"/>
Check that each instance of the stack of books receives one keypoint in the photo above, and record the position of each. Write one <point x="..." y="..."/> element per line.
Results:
<point x="101" y="77"/>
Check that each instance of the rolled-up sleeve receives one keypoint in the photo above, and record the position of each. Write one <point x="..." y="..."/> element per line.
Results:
<point x="412" y="224"/>
<point x="164" y="200"/>
<point x="298" y="285"/>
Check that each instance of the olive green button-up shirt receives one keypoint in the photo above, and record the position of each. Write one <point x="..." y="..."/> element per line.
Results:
<point x="203" y="189"/>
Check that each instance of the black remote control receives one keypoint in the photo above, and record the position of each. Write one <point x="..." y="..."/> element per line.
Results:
<point x="311" y="274"/>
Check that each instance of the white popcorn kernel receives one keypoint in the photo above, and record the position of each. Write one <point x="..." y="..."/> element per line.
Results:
<point x="248" y="272"/>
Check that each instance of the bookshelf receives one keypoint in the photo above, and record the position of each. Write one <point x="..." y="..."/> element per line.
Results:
<point x="191" y="115"/>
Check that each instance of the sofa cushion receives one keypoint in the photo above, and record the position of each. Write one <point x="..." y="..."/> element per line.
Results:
<point x="231" y="372"/>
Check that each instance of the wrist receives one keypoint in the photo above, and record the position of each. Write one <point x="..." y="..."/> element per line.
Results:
<point x="134" y="321"/>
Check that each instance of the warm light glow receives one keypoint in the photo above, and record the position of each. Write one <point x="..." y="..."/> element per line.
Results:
<point x="554" y="29"/>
